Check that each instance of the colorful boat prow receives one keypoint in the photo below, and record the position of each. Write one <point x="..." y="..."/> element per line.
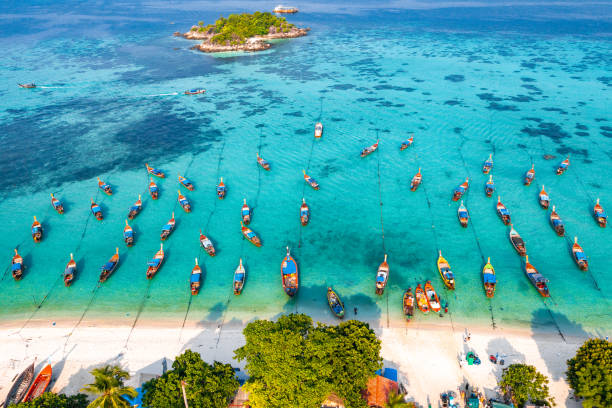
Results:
<point x="460" y="190"/>
<point x="168" y="228"/>
<point x="369" y="150"/>
<point x="489" y="279"/>
<point x="57" y="204"/>
<point x="489" y="186"/>
<point x="109" y="267"/>
<point x="135" y="209"/>
<point x="37" y="230"/>
<point x="195" y="279"/>
<point x="156" y="263"/>
<point x="407" y="143"/>
<point x="221" y="189"/>
<point x="416" y="180"/>
<point x="312" y="182"/>
<point x="382" y="276"/>
<point x="184" y="202"/>
<point x="250" y="235"/>
<point x="529" y="175"/>
<point x="563" y="166"/>
<point x="600" y="215"/>
<point x="96" y="211"/>
<point x="153" y="190"/>
<point x="105" y="187"/>
<point x="70" y="271"/>
<point x="488" y="165"/>
<point x="579" y="256"/>
<point x="445" y="272"/>
<point x="186" y="182"/>
<point x="544" y="199"/>
<point x="128" y="234"/>
<point x="155" y="172"/>
<point x="289" y="274"/>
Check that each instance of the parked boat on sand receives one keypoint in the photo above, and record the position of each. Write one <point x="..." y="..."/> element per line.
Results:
<point x="408" y="304"/>
<point x="432" y="297"/>
<point x="20" y="386"/>
<point x="421" y="299"/>
<point x="40" y="384"/>
<point x="335" y="303"/>
<point x="445" y="272"/>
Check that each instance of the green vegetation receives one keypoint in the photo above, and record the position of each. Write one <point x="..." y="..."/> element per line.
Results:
<point x="523" y="383"/>
<point x="293" y="363"/>
<point x="238" y="27"/>
<point x="108" y="385"/>
<point x="396" y="400"/>
<point x="205" y="385"/>
<point x="51" y="400"/>
<point x="590" y="373"/>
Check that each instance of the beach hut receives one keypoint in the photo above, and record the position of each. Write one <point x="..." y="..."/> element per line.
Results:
<point x="377" y="392"/>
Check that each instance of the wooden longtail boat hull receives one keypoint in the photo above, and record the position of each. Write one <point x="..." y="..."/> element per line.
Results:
<point x="20" y="387"/>
<point x="421" y="299"/>
<point x="382" y="276"/>
<point x="17" y="266"/>
<point x="40" y="384"/>
<point x="153" y="266"/>
<point x="445" y="272"/>
<point x="335" y="303"/>
<point x="195" y="280"/>
<point x="432" y="297"/>
<point x="369" y="150"/>
<point x="489" y="279"/>
<point x="239" y="278"/>
<point x="57" y="205"/>
<point x="251" y="236"/>
<point x="207" y="244"/>
<point x="289" y="275"/>
<point x="408" y="304"/>
<point x="517" y="242"/>
<point x="537" y="280"/>
<point x="96" y="211"/>
<point x="155" y="172"/>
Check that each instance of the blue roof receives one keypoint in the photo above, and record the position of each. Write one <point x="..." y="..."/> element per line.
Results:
<point x="166" y="227"/>
<point x="504" y="211"/>
<point x="246" y="212"/>
<point x="153" y="262"/>
<point x="195" y="277"/>
<point x="289" y="267"/>
<point x="580" y="256"/>
<point x="239" y="277"/>
<point x="390" y="373"/>
<point x="108" y="265"/>
<point x="380" y="278"/>
<point x="489" y="278"/>
<point x="129" y="233"/>
<point x="16" y="266"/>
<point x="557" y="222"/>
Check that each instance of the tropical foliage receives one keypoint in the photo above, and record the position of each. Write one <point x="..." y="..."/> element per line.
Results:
<point x="590" y="373"/>
<point x="397" y="400"/>
<point x="108" y="386"/>
<point x="205" y="385"/>
<point x="51" y="400"/>
<point x="523" y="383"/>
<point x="292" y="363"/>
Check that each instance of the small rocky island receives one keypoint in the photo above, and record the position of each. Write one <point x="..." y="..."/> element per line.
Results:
<point x="242" y="32"/>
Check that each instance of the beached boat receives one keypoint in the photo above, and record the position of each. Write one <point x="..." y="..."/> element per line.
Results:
<point x="109" y="267"/>
<point x="207" y="244"/>
<point x="557" y="223"/>
<point x="600" y="214"/>
<point x="421" y="299"/>
<point x="28" y="86"/>
<point x="407" y="143"/>
<point x="463" y="215"/>
<point x="221" y="189"/>
<point x="195" y="91"/>
<point x="318" y="132"/>
<point x="153" y="190"/>
<point x="503" y="212"/>
<point x="335" y="303"/>
<point x="57" y="204"/>
<point x="155" y="172"/>
<point x="369" y="150"/>
<point x="37" y="231"/>
<point x="488" y="279"/>
<point x="134" y="210"/>
<point x="285" y="10"/>
<point x="70" y="271"/>
<point x="416" y="181"/>
<point x="304" y="213"/>
<point x="20" y="387"/>
<point x="460" y="190"/>
<point x="239" y="278"/>
<point x="245" y="212"/>
<point x="579" y="256"/>
<point x="489" y="186"/>
<point x="40" y="384"/>
<point x="563" y="166"/>
<point x="186" y="182"/>
<point x="382" y="276"/>
<point x="408" y="304"/>
<point x="517" y="241"/>
<point x="96" y="211"/>
<point x="128" y="234"/>
<point x="289" y="274"/>
<point x="313" y="183"/>
<point x="184" y="202"/>
<point x="154" y="264"/>
<point x="529" y="176"/>
<point x="544" y="199"/>
<point x="432" y="297"/>
<point x="488" y="165"/>
<point x="196" y="278"/>
<point x="168" y="228"/>
<point x="264" y="164"/>
<point x="17" y="266"/>
<point x="445" y="272"/>
<point x="250" y="235"/>
<point x="105" y="187"/>
<point x="536" y="278"/>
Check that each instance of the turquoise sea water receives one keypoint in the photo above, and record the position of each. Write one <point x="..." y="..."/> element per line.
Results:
<point x="520" y="83"/>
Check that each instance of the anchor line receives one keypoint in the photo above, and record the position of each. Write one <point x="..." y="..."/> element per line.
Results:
<point x="380" y="201"/>
<point x="554" y="321"/>
<point x="91" y="301"/>
<point x="431" y="217"/>
<point x="140" y="309"/>
<point x="304" y="189"/>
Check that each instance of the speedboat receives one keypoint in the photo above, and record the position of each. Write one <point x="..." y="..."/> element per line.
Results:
<point x="29" y="86"/>
<point x="285" y="10"/>
<point x="579" y="256"/>
<point x="563" y="166"/>
<point x="488" y="165"/>
<point x="382" y="276"/>
<point x="544" y="199"/>
<point x="168" y="228"/>
<point x="318" y="132"/>
<point x="369" y="150"/>
<point x="460" y="190"/>
<point x="304" y="213"/>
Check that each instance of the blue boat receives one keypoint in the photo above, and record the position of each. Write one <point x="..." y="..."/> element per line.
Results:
<point x="196" y="277"/>
<point x="489" y="187"/>
<point x="195" y="91"/>
<point x="239" y="278"/>
<point x="488" y="165"/>
<point x="37" y="231"/>
<point x="168" y="228"/>
<point x="289" y="274"/>
<point x="221" y="190"/>
<point x="557" y="223"/>
<point x="135" y="209"/>
<point x="128" y="234"/>
<point x="304" y="213"/>
<point x="96" y="211"/>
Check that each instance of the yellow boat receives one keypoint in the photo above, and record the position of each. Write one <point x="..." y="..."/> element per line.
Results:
<point x="445" y="272"/>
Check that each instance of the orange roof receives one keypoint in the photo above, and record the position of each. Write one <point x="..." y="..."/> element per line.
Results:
<point x="378" y="391"/>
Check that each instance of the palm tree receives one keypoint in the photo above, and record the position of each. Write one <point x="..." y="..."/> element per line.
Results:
<point x="396" y="400"/>
<point x="108" y="386"/>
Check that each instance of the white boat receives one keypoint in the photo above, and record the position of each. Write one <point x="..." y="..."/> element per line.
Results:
<point x="285" y="9"/>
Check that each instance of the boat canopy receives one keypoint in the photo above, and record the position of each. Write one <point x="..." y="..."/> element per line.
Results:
<point x="304" y="212"/>
<point x="557" y="222"/>
<point x="129" y="233"/>
<point x="154" y="262"/>
<point x="580" y="256"/>
<point x="504" y="211"/>
<point x="195" y="277"/>
<point x="602" y="213"/>
<point x="246" y="211"/>
<point x="166" y="227"/>
<point x="336" y="307"/>
<point x="380" y="278"/>
<point x="251" y="234"/>
<point x="463" y="213"/>
<point x="16" y="266"/>
<point x="134" y="208"/>
<point x="108" y="266"/>
<point x="289" y="267"/>
<point x="35" y="229"/>
<point x="489" y="278"/>
<point x="153" y="187"/>
<point x="239" y="277"/>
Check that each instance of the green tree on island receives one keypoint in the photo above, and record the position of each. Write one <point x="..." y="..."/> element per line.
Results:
<point x="523" y="383"/>
<point x="207" y="385"/>
<point x="51" y="400"/>
<point x="396" y="400"/>
<point x="590" y="373"/>
<point x="292" y="363"/>
<point x="108" y="385"/>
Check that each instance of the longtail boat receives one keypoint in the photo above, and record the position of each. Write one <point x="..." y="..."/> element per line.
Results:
<point x="17" y="266"/>
<point x="536" y="278"/>
<point x="128" y="234"/>
<point x="155" y="172"/>
<point x="105" y="187"/>
<point x="318" y="132"/>
<point x="557" y="223"/>
<point x="195" y="279"/>
<point x="407" y="143"/>
<point x="488" y="165"/>
<point x="195" y="91"/>
<point x="239" y="278"/>
<point x="186" y="182"/>
<point x="335" y="303"/>
<point x="109" y="267"/>
<point x="57" y="204"/>
<point x="40" y="384"/>
<point x="154" y="264"/>
<point x="488" y="279"/>
<point x="489" y="186"/>
<point x="463" y="215"/>
<point x="544" y="199"/>
<point x="304" y="213"/>
<point x="168" y="228"/>
<point x="600" y="214"/>
<point x="382" y="276"/>
<point x="37" y="231"/>
<point x="245" y="213"/>
<point x="96" y="211"/>
<point x="517" y="241"/>
<point x="134" y="210"/>
<point x="408" y="304"/>
<point x="369" y="150"/>
<point x="503" y="212"/>
<point x="432" y="297"/>
<point x="416" y="181"/>
<point x="460" y="190"/>
<point x="563" y="166"/>
<point x="264" y="164"/>
<point x="153" y="189"/>
<point x="184" y="202"/>
<point x="221" y="189"/>
<point x="421" y="299"/>
<point x="70" y="271"/>
<point x="313" y="183"/>
<point x="529" y="176"/>
<point x="289" y="274"/>
<point x="445" y="272"/>
<point x="250" y="235"/>
<point x="207" y="244"/>
<point x="20" y="387"/>
<point x="579" y="256"/>
<point x="27" y="86"/>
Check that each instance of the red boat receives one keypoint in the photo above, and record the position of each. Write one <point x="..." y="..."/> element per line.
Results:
<point x="153" y="189"/>
<point x="517" y="242"/>
<point x="70" y="271"/>
<point x="186" y="182"/>
<point x="17" y="266"/>
<point x="96" y="210"/>
<point x="304" y="213"/>
<point x="313" y="183"/>
<point x="489" y="187"/>
<point x="250" y="235"/>
<point x="463" y="215"/>
<point x="135" y="209"/>
<point x="196" y="91"/>
<point x="154" y="264"/>
<point x="184" y="202"/>
<point x="37" y="231"/>
<point x="57" y="204"/>
<point x="207" y="244"/>
<point x="600" y="214"/>
<point x="369" y="150"/>
<point x="128" y="234"/>
<point x="155" y="172"/>
<point x="245" y="213"/>
<point x="488" y="165"/>
<point x="544" y="199"/>
<point x="196" y="278"/>
<point x="563" y="166"/>
<point x="105" y="187"/>
<point x="407" y="143"/>
<point x="264" y="164"/>
<point x="168" y="228"/>
<point x="579" y="256"/>
<point x="503" y="212"/>
<point x="529" y="176"/>
<point x="221" y="189"/>
<point x="557" y="223"/>
<point x="40" y="384"/>
<point x="461" y="189"/>
<point x="416" y="181"/>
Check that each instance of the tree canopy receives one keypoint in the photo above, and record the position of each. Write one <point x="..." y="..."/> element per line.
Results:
<point x="108" y="386"/>
<point x="524" y="383"/>
<point x="292" y="363"/>
<point x="590" y="373"/>
<point x="206" y="385"/>
<point x="51" y="400"/>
